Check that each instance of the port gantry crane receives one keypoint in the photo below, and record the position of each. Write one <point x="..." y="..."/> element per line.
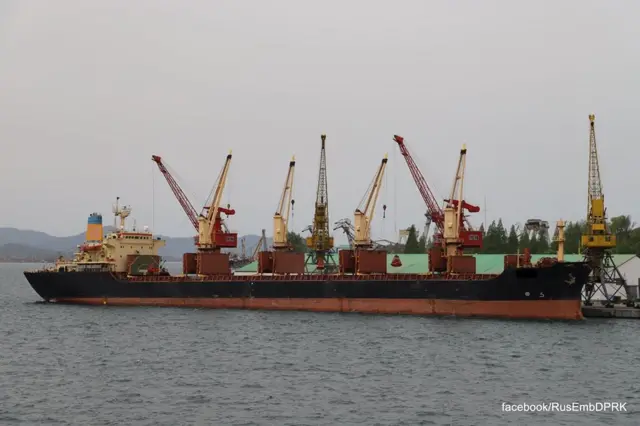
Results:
<point x="212" y="232"/>
<point x="598" y="241"/>
<point x="363" y="215"/>
<point x="320" y="243"/>
<point x="454" y="232"/>
<point x="281" y="217"/>
<point x="261" y="244"/>
<point x="347" y="227"/>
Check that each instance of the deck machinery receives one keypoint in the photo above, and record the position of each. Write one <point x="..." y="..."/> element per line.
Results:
<point x="454" y="232"/>
<point x="364" y="257"/>
<point x="598" y="241"/>
<point x="213" y="234"/>
<point x="282" y="259"/>
<point x="320" y="243"/>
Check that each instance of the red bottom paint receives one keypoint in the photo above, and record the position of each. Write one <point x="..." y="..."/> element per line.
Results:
<point x="522" y="309"/>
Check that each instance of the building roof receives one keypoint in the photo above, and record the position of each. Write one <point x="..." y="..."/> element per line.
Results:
<point x="485" y="263"/>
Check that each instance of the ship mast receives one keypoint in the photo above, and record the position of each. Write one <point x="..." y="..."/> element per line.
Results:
<point x="122" y="212"/>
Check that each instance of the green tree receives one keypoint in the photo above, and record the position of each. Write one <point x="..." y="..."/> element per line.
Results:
<point x="412" y="245"/>
<point x="296" y="241"/>
<point x="429" y="243"/>
<point x="525" y="241"/>
<point x="543" y="241"/>
<point x="622" y="228"/>
<point x="534" y="246"/>
<point x="501" y="237"/>
<point x="512" y="241"/>
<point x="572" y="234"/>
<point x="488" y="245"/>
<point x="495" y="240"/>
<point x="422" y="243"/>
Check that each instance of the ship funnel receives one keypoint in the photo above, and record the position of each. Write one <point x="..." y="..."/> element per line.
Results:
<point x="94" y="227"/>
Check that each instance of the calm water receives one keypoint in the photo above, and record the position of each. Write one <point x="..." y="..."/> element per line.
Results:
<point x="163" y="366"/>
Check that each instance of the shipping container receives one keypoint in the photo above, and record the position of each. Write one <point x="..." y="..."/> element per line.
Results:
<point x="371" y="261"/>
<point x="213" y="263"/>
<point x="189" y="263"/>
<point x="462" y="264"/>
<point x="437" y="263"/>
<point x="265" y="262"/>
<point x="288" y="262"/>
<point x="347" y="261"/>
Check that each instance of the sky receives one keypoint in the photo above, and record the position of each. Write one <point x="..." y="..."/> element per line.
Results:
<point x="90" y="90"/>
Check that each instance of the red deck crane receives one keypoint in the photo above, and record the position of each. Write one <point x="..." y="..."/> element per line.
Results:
<point x="221" y="237"/>
<point x="468" y="237"/>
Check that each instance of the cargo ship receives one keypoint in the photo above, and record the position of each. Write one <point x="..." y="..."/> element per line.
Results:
<point x="124" y="267"/>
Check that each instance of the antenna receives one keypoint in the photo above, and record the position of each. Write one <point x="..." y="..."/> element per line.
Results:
<point x="116" y="213"/>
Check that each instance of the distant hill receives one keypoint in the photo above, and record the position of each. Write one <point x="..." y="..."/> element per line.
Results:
<point x="18" y="245"/>
<point x="24" y="253"/>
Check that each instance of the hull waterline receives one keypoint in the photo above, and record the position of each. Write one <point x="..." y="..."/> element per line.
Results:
<point x="522" y="309"/>
<point x="537" y="293"/>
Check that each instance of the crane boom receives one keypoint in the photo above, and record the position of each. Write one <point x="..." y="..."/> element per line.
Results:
<point x="598" y="234"/>
<point x="178" y="192"/>
<point x="364" y="216"/>
<point x="434" y="212"/>
<point x="210" y="225"/>
<point x="281" y="218"/>
<point x="320" y="240"/>
<point x="261" y="244"/>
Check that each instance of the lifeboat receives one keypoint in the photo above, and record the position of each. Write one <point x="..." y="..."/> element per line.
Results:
<point x="91" y="246"/>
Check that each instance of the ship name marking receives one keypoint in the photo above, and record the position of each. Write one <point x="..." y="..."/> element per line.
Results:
<point x="571" y="280"/>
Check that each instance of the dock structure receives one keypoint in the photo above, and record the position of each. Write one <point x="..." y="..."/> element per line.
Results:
<point x="616" y="311"/>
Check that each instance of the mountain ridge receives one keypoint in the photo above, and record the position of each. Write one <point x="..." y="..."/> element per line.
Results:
<point x="27" y="245"/>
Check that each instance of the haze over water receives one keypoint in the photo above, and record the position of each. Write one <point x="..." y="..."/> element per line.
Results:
<point x="162" y="366"/>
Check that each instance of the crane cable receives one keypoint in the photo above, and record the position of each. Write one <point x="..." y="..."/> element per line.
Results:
<point x="385" y="193"/>
<point x="395" y="195"/>
<point x="153" y="197"/>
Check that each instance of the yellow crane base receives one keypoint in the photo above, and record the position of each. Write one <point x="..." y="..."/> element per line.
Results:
<point x="598" y="241"/>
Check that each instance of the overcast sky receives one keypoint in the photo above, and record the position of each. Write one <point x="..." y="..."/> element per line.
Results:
<point x="91" y="89"/>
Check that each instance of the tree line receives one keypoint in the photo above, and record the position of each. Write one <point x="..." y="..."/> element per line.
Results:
<point x="497" y="240"/>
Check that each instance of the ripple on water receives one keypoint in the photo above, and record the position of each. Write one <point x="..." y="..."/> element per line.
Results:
<point x="154" y="366"/>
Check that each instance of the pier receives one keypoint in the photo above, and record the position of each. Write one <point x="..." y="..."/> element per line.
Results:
<point x="617" y="311"/>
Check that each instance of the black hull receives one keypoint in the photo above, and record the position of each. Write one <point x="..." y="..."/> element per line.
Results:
<point x="549" y="292"/>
